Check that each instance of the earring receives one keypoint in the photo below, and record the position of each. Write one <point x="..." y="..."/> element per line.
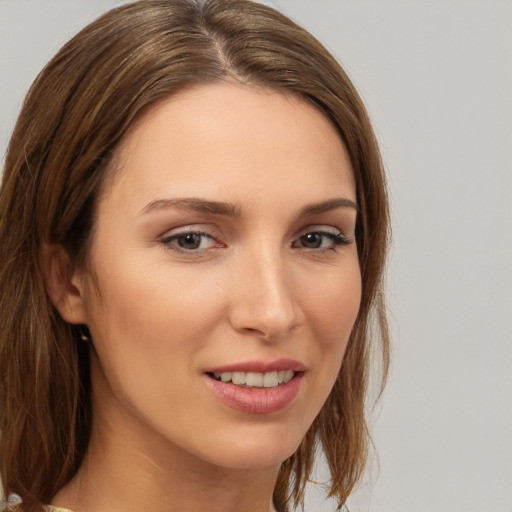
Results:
<point x="85" y="335"/>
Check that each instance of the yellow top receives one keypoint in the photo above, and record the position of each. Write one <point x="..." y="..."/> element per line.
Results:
<point x="47" y="508"/>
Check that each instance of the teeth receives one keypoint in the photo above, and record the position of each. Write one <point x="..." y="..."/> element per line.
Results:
<point x="288" y="375"/>
<point x="237" y="378"/>
<point x="270" y="380"/>
<point x="255" y="379"/>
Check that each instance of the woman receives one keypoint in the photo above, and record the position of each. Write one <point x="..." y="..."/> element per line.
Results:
<point x="193" y="234"/>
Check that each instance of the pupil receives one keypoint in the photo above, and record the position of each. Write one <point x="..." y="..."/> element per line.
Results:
<point x="190" y="241"/>
<point x="312" y="240"/>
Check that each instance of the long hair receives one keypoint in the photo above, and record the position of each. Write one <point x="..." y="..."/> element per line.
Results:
<point x="74" y="115"/>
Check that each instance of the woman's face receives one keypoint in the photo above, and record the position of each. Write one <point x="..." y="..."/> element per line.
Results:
<point x="225" y="261"/>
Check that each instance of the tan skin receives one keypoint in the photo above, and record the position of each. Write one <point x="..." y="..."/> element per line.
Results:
<point x="270" y="274"/>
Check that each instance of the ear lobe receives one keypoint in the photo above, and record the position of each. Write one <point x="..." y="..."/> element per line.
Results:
<point x="64" y="284"/>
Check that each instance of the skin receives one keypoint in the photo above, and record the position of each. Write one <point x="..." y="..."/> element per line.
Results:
<point x="256" y="288"/>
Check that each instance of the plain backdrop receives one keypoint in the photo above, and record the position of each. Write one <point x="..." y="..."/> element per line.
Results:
<point x="437" y="79"/>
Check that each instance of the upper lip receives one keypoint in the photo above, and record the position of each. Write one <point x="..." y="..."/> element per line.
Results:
<point x="260" y="366"/>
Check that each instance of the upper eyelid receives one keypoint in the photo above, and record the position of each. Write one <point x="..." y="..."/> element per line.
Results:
<point x="321" y="228"/>
<point x="203" y="229"/>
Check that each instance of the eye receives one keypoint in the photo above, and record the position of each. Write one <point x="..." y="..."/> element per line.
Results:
<point x="189" y="241"/>
<point x="320" y="240"/>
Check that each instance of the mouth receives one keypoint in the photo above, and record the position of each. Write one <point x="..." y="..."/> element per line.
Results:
<point x="254" y="379"/>
<point x="257" y="387"/>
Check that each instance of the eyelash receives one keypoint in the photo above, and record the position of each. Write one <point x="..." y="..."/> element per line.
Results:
<point x="336" y="240"/>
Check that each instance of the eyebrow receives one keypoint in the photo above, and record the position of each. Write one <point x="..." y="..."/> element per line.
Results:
<point x="330" y="204"/>
<point x="194" y="204"/>
<point x="233" y="210"/>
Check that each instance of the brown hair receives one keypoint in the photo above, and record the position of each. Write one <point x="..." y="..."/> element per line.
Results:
<point x="74" y="115"/>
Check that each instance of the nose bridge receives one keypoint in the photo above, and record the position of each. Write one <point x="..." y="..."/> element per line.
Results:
<point x="264" y="302"/>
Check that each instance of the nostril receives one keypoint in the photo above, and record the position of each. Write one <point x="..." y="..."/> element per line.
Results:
<point x="260" y="333"/>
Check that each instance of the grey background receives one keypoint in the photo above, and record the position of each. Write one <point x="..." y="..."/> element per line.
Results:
<point x="437" y="79"/>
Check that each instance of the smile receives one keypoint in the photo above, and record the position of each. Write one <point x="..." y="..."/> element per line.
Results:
<point x="256" y="392"/>
<point x="255" y="379"/>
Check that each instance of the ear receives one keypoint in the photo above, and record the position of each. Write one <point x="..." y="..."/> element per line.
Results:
<point x="64" y="284"/>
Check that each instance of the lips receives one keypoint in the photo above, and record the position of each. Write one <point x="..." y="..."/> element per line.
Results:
<point x="257" y="387"/>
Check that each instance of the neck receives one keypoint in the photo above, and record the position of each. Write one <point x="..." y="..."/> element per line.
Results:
<point x="128" y="468"/>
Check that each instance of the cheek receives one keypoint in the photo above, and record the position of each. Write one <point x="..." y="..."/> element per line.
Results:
<point x="336" y="307"/>
<point x="148" y="294"/>
<point x="150" y="322"/>
<point x="143" y="339"/>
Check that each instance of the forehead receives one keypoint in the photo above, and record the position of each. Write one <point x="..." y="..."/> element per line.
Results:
<point x="226" y="139"/>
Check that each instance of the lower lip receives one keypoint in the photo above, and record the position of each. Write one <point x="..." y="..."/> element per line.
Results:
<point x="256" y="400"/>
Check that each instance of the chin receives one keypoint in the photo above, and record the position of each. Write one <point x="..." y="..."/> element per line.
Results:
<point x="253" y="448"/>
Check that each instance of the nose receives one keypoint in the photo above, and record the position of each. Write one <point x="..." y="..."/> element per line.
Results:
<point x="264" y="300"/>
